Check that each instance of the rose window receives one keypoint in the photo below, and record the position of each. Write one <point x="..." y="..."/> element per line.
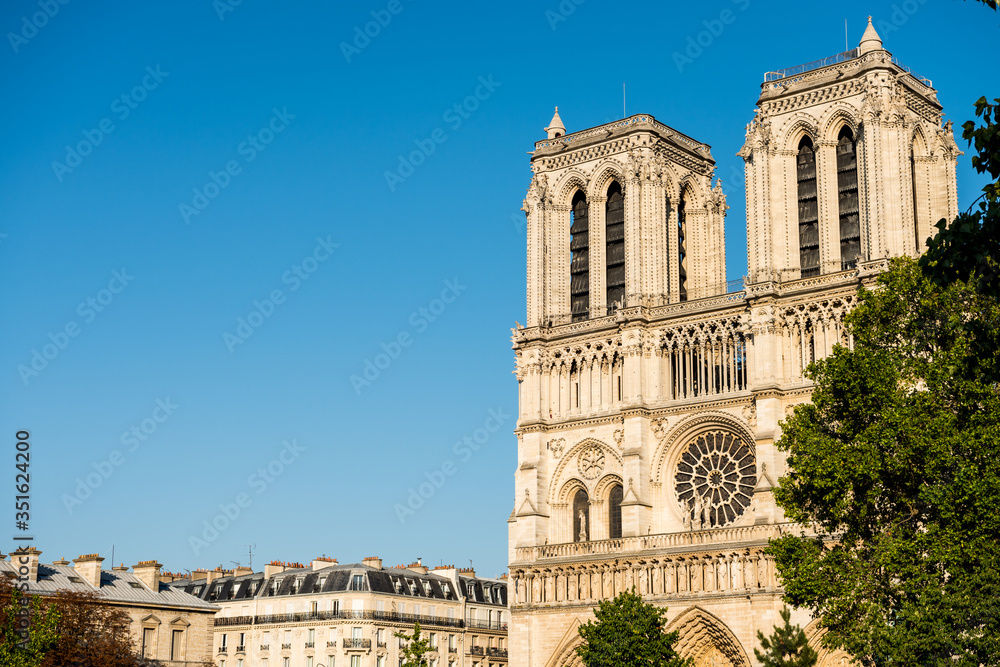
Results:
<point x="591" y="462"/>
<point x="715" y="479"/>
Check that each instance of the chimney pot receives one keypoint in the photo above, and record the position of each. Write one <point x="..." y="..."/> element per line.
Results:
<point x="27" y="557"/>
<point x="148" y="572"/>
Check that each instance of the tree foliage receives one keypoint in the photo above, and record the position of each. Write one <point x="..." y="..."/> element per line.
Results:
<point x="897" y="462"/>
<point x="628" y="633"/>
<point x="786" y="647"/>
<point x="415" y="648"/>
<point x="968" y="249"/>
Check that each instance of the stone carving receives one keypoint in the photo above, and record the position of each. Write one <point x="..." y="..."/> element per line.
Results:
<point x="659" y="427"/>
<point x="619" y="437"/>
<point x="557" y="446"/>
<point x="591" y="462"/>
<point x="583" y="526"/>
<point x="750" y="412"/>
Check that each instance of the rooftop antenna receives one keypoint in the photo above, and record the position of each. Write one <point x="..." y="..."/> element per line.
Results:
<point x="250" y="548"/>
<point x="624" y="114"/>
<point x="112" y="555"/>
<point x="846" y="44"/>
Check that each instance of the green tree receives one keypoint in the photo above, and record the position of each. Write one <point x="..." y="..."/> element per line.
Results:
<point x="415" y="648"/>
<point x="786" y="647"/>
<point x="968" y="249"/>
<point x="897" y="463"/>
<point x="628" y="633"/>
<point x="41" y="633"/>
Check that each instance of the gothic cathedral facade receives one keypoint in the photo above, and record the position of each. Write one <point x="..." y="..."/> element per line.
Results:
<point x="650" y="395"/>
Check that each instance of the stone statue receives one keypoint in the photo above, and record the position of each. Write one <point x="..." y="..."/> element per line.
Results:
<point x="571" y="586"/>
<point x="761" y="571"/>
<point x="737" y="570"/>
<point x="585" y="586"/>
<point x="723" y="573"/>
<point x="643" y="581"/>
<point x="536" y="589"/>
<point x="709" y="575"/>
<point x="749" y="572"/>
<point x="549" y="593"/>
<point x="657" y="581"/>
<point x="696" y="576"/>
<point x="682" y="578"/>
<point x="706" y="515"/>
<point x="671" y="577"/>
<point x="629" y="579"/>
<point x="608" y="589"/>
<point x="696" y="516"/>
<point x="583" y="526"/>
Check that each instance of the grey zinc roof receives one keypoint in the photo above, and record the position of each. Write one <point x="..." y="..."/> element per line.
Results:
<point x="116" y="586"/>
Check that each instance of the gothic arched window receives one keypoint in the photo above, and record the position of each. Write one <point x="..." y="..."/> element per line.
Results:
<point x="808" y="212"/>
<point x="847" y="198"/>
<point x="614" y="259"/>
<point x="615" y="512"/>
<point x="581" y="516"/>
<point x="682" y="247"/>
<point x="579" y="266"/>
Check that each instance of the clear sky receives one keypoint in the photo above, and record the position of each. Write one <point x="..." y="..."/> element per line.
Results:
<point x="171" y="169"/>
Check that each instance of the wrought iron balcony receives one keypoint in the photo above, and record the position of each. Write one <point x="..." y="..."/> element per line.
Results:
<point x="452" y="649"/>
<point x="495" y="652"/>
<point x="223" y="649"/>
<point x="357" y="643"/>
<point x="241" y="649"/>
<point x="310" y="644"/>
<point x="286" y="647"/>
<point x="476" y="650"/>
<point x="337" y="614"/>
<point x="330" y="644"/>
<point x="381" y="644"/>
<point x="265" y="647"/>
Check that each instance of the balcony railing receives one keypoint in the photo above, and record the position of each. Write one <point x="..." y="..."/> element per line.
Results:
<point x="452" y="649"/>
<point x="476" y="650"/>
<point x="265" y="647"/>
<point x="357" y="643"/>
<point x="380" y="644"/>
<point x="347" y="614"/>
<point x="310" y="644"/>
<point x="486" y="625"/>
<point x="241" y="649"/>
<point x="223" y="649"/>
<point x="760" y="534"/>
<point x="331" y="644"/>
<point x="495" y="652"/>
<point x="285" y="647"/>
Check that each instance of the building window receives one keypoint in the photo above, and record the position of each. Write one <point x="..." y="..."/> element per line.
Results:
<point x="309" y="661"/>
<point x="225" y="639"/>
<point x="314" y="608"/>
<point x="285" y="662"/>
<point x="579" y="266"/>
<point x="358" y="583"/>
<point x="581" y="516"/>
<point x="263" y="662"/>
<point x="148" y="637"/>
<point x="239" y="662"/>
<point x="682" y="247"/>
<point x="808" y="211"/>
<point x="355" y="661"/>
<point x="176" y="644"/>
<point x="380" y="661"/>
<point x="356" y="633"/>
<point x="847" y="199"/>
<point x="615" y="511"/>
<point x="433" y="640"/>
<point x="614" y="259"/>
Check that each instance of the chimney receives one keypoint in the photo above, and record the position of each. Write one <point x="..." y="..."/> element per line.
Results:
<point x="198" y="574"/>
<point x="241" y="570"/>
<point x="119" y="568"/>
<point x="467" y="571"/>
<point x="89" y="568"/>
<point x="148" y="572"/>
<point x="272" y="568"/>
<point x="212" y="575"/>
<point x="322" y="561"/>
<point x="372" y="561"/>
<point x="417" y="567"/>
<point x="26" y="558"/>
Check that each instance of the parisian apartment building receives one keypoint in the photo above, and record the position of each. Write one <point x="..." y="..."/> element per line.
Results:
<point x="167" y="625"/>
<point x="327" y="614"/>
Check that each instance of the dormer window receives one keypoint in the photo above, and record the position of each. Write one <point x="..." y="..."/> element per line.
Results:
<point x="427" y="588"/>
<point x="447" y="590"/>
<point x="397" y="585"/>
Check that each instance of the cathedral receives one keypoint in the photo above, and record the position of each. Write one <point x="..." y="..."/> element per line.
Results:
<point x="650" y="391"/>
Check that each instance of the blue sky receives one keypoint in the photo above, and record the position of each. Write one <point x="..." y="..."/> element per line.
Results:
<point x="227" y="163"/>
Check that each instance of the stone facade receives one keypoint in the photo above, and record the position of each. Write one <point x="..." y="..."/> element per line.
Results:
<point x="327" y="614"/>
<point x="646" y="425"/>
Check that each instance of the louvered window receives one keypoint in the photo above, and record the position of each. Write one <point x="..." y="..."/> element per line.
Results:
<point x="579" y="268"/>
<point x="615" y="246"/>
<point x="847" y="199"/>
<point x="682" y="247"/>
<point x="808" y="211"/>
<point x="615" y="511"/>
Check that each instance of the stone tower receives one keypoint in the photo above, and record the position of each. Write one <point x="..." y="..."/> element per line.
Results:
<point x="650" y="396"/>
